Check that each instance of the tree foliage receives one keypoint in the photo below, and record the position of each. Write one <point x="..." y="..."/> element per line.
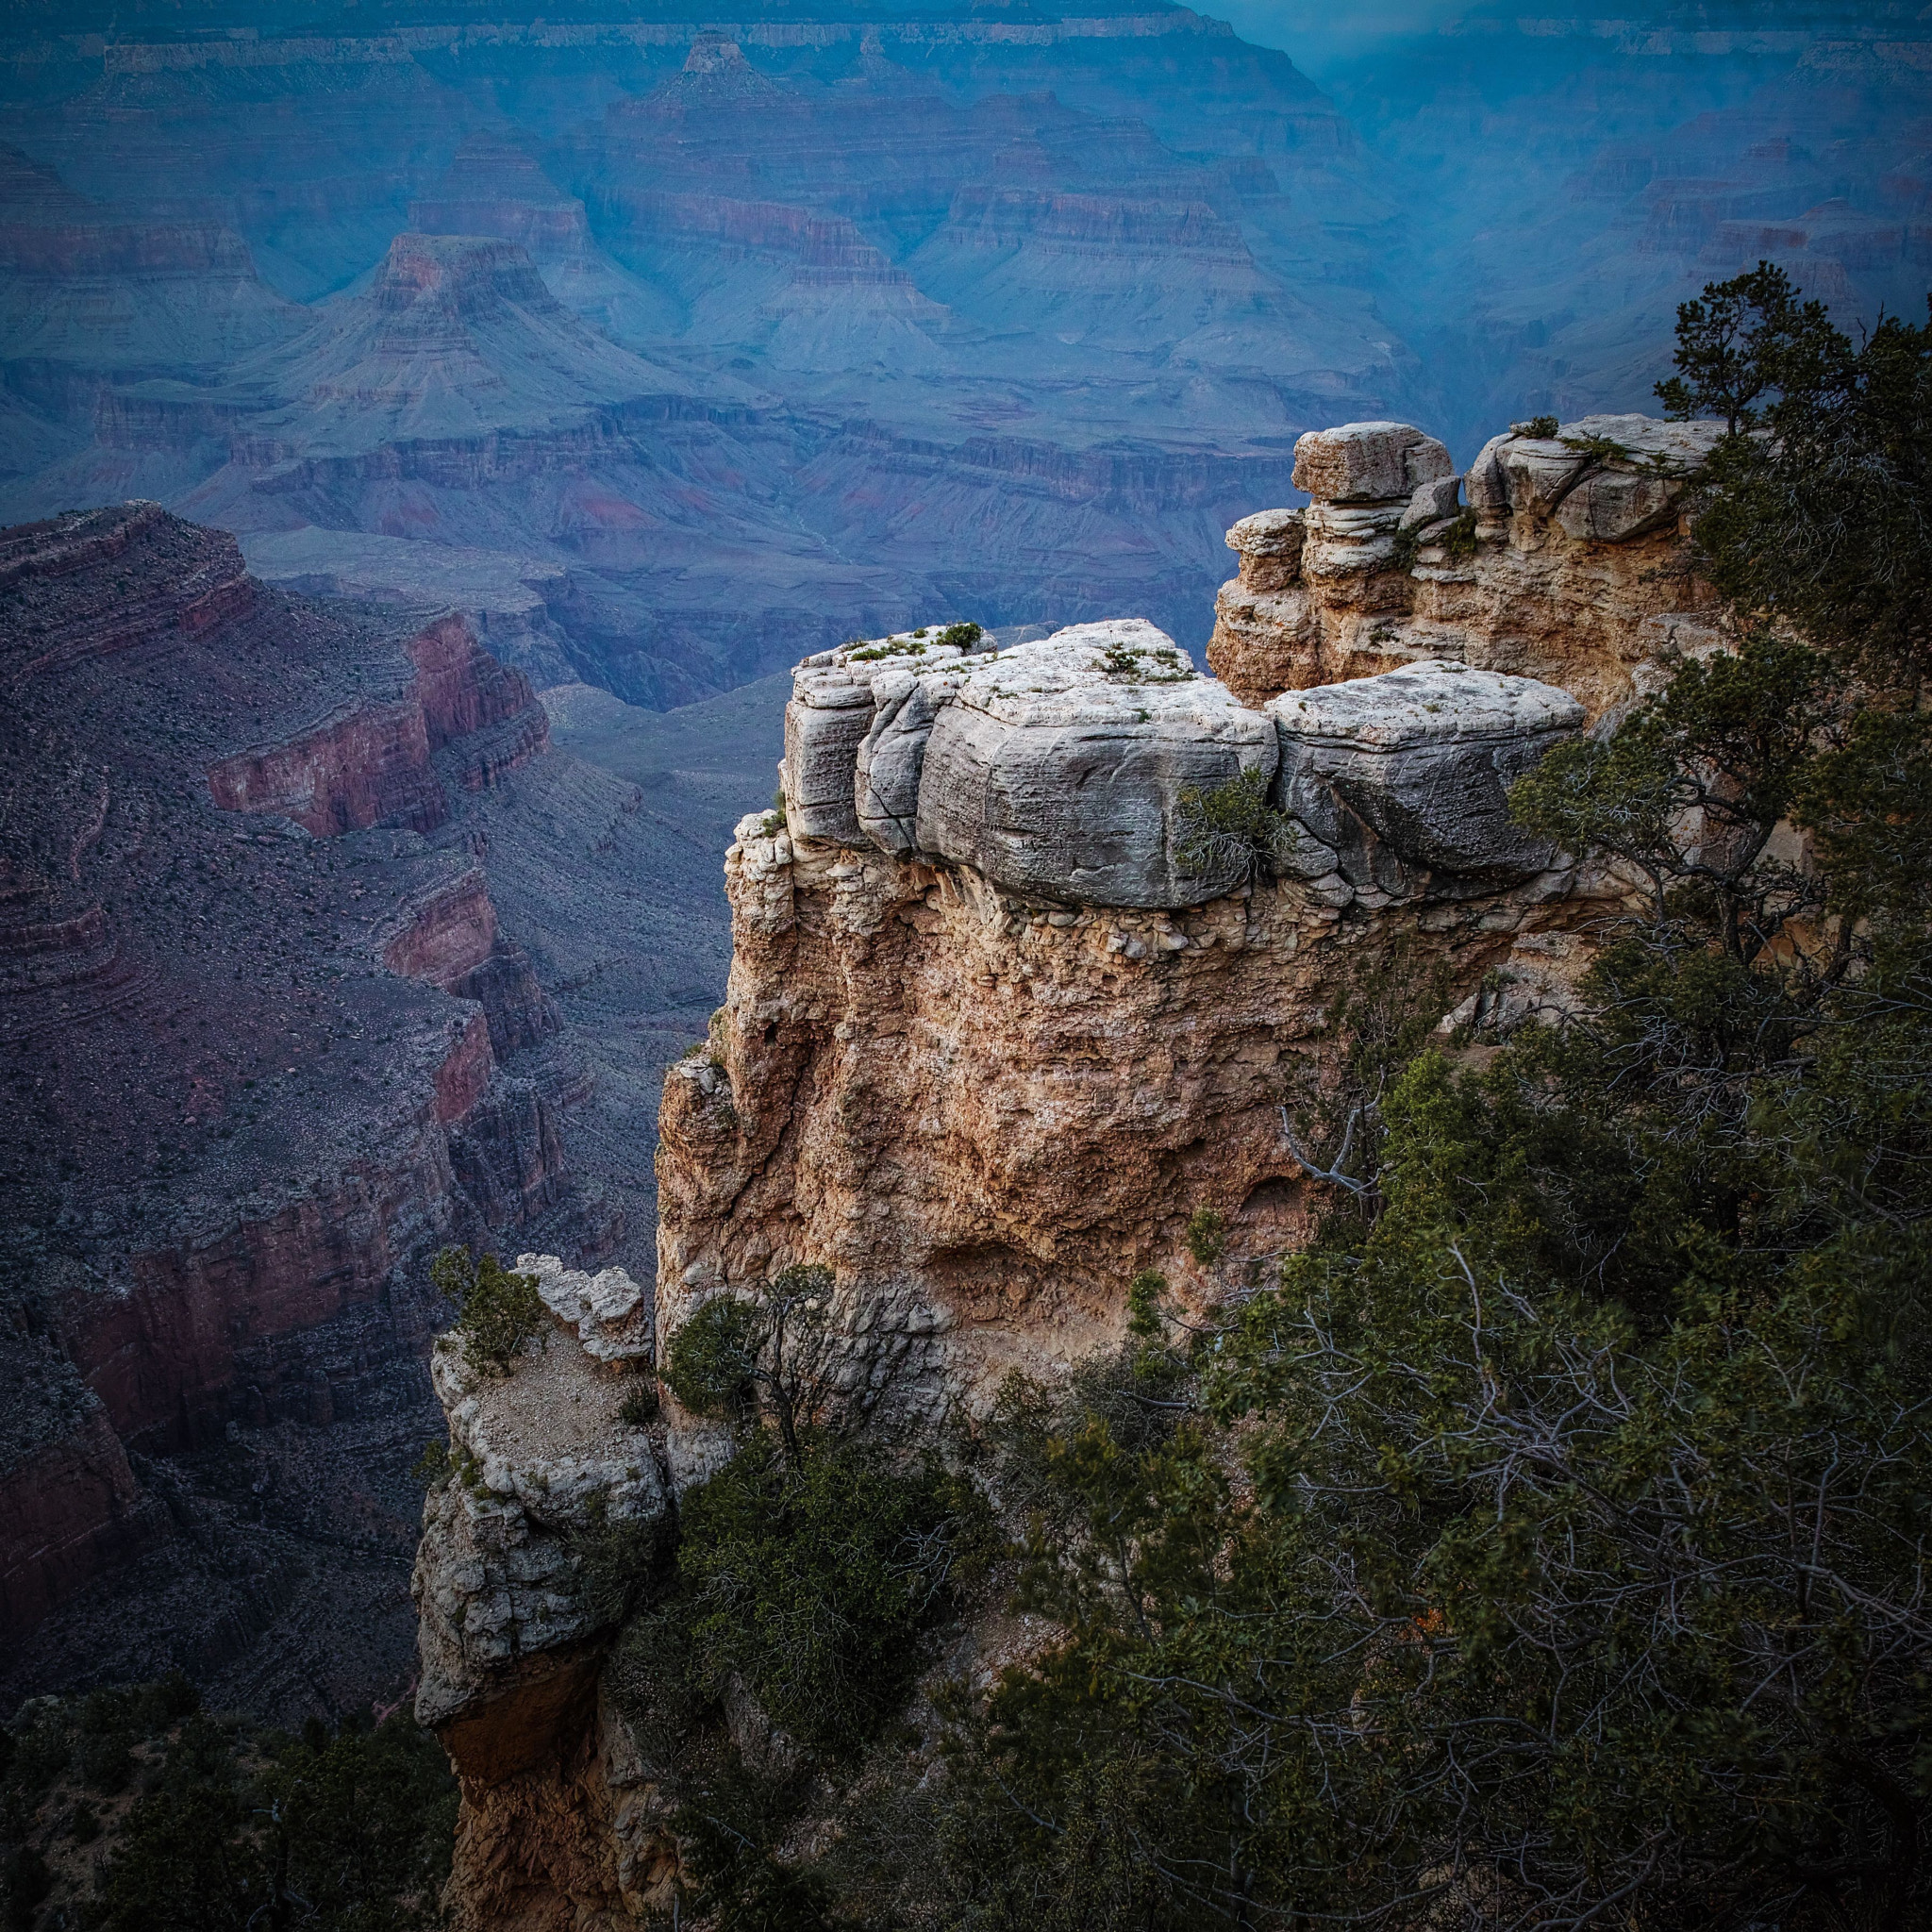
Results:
<point x="342" y="1831"/>
<point x="1817" y="506"/>
<point x="497" y="1309"/>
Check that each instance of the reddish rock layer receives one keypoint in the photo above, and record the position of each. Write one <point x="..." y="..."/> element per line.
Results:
<point x="253" y="1026"/>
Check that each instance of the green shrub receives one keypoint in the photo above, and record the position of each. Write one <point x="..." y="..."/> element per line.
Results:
<point x="1206" y="1235"/>
<point x="497" y="1312"/>
<point x="435" y="1466"/>
<point x="1144" y="1294"/>
<point x="712" y="1358"/>
<point x="619" y="1564"/>
<point x="1231" y="827"/>
<point x="963" y="636"/>
<point x="812" y="1583"/>
<point x="768" y="1354"/>
<point x="1545" y="427"/>
<point x="639" y="1408"/>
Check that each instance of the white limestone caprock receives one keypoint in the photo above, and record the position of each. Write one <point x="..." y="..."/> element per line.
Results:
<point x="1057" y="768"/>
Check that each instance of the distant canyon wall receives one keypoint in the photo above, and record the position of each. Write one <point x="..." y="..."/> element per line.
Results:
<point x="264" y="1041"/>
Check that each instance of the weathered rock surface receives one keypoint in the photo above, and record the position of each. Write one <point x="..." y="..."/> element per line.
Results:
<point x="828" y="726"/>
<point x="264" y="1048"/>
<point x="544" y="1464"/>
<point x="542" y="1457"/>
<point x="1424" y="757"/>
<point x="1570" y="548"/>
<point x="1072" y="769"/>
<point x="986" y="1110"/>
<point x="608" y="1313"/>
<point x="1058" y="768"/>
<point x="1368" y="462"/>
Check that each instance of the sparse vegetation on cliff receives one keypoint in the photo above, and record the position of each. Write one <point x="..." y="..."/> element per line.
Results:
<point x="1231" y="827"/>
<point x="1544" y="1546"/>
<point x="1552" y="1532"/>
<point x="498" y="1310"/>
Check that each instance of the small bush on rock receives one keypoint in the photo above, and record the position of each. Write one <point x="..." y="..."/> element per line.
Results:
<point x="497" y="1310"/>
<point x="768" y="1353"/>
<point x="1232" y="827"/>
<point x="1206" y="1235"/>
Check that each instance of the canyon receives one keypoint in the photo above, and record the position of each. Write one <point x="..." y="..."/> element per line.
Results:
<point x="268" y="1037"/>
<point x="1001" y="1031"/>
<point x="498" y="409"/>
<point x="669" y="350"/>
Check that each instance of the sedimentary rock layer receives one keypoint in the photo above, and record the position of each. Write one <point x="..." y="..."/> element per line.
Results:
<point x="1568" y="561"/>
<point x="262" y="1044"/>
<point x="1000" y="1028"/>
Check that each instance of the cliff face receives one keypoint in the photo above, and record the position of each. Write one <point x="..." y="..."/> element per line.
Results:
<point x="263" y="1047"/>
<point x="990" y="1072"/>
<point x="1003" y="1019"/>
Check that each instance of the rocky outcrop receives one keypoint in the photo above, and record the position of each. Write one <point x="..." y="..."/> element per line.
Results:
<point x="1418" y="763"/>
<point x="1005" y="1011"/>
<point x="559" y="1818"/>
<point x="1063" y="768"/>
<point x="1569" y="561"/>
<point x="1005" y="1024"/>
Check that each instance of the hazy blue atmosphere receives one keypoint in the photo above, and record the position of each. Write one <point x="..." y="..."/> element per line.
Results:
<point x="774" y="335"/>
<point x="432" y="432"/>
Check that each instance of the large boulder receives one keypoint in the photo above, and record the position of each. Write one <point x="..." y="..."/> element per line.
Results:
<point x="1269" y="544"/>
<point x="1422" y="758"/>
<point x="830" y="715"/>
<point x="891" y="757"/>
<point x="1057" y="768"/>
<point x="826" y="722"/>
<point x="1601" y="478"/>
<point x="1368" y="462"/>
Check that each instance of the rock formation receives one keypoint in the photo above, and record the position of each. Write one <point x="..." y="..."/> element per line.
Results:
<point x="1566" y="562"/>
<point x="1002" y="1024"/>
<point x="544" y="1462"/>
<point x="263" y="1047"/>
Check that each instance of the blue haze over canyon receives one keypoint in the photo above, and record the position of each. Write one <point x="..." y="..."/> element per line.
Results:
<point x="675" y="346"/>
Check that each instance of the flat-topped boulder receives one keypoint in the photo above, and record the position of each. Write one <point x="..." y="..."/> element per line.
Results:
<point x="1368" y="462"/>
<point x="1058" y="767"/>
<point x="1423" y="757"/>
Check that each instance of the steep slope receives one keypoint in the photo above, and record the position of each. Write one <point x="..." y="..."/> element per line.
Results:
<point x="994" y="1042"/>
<point x="263" y="1046"/>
